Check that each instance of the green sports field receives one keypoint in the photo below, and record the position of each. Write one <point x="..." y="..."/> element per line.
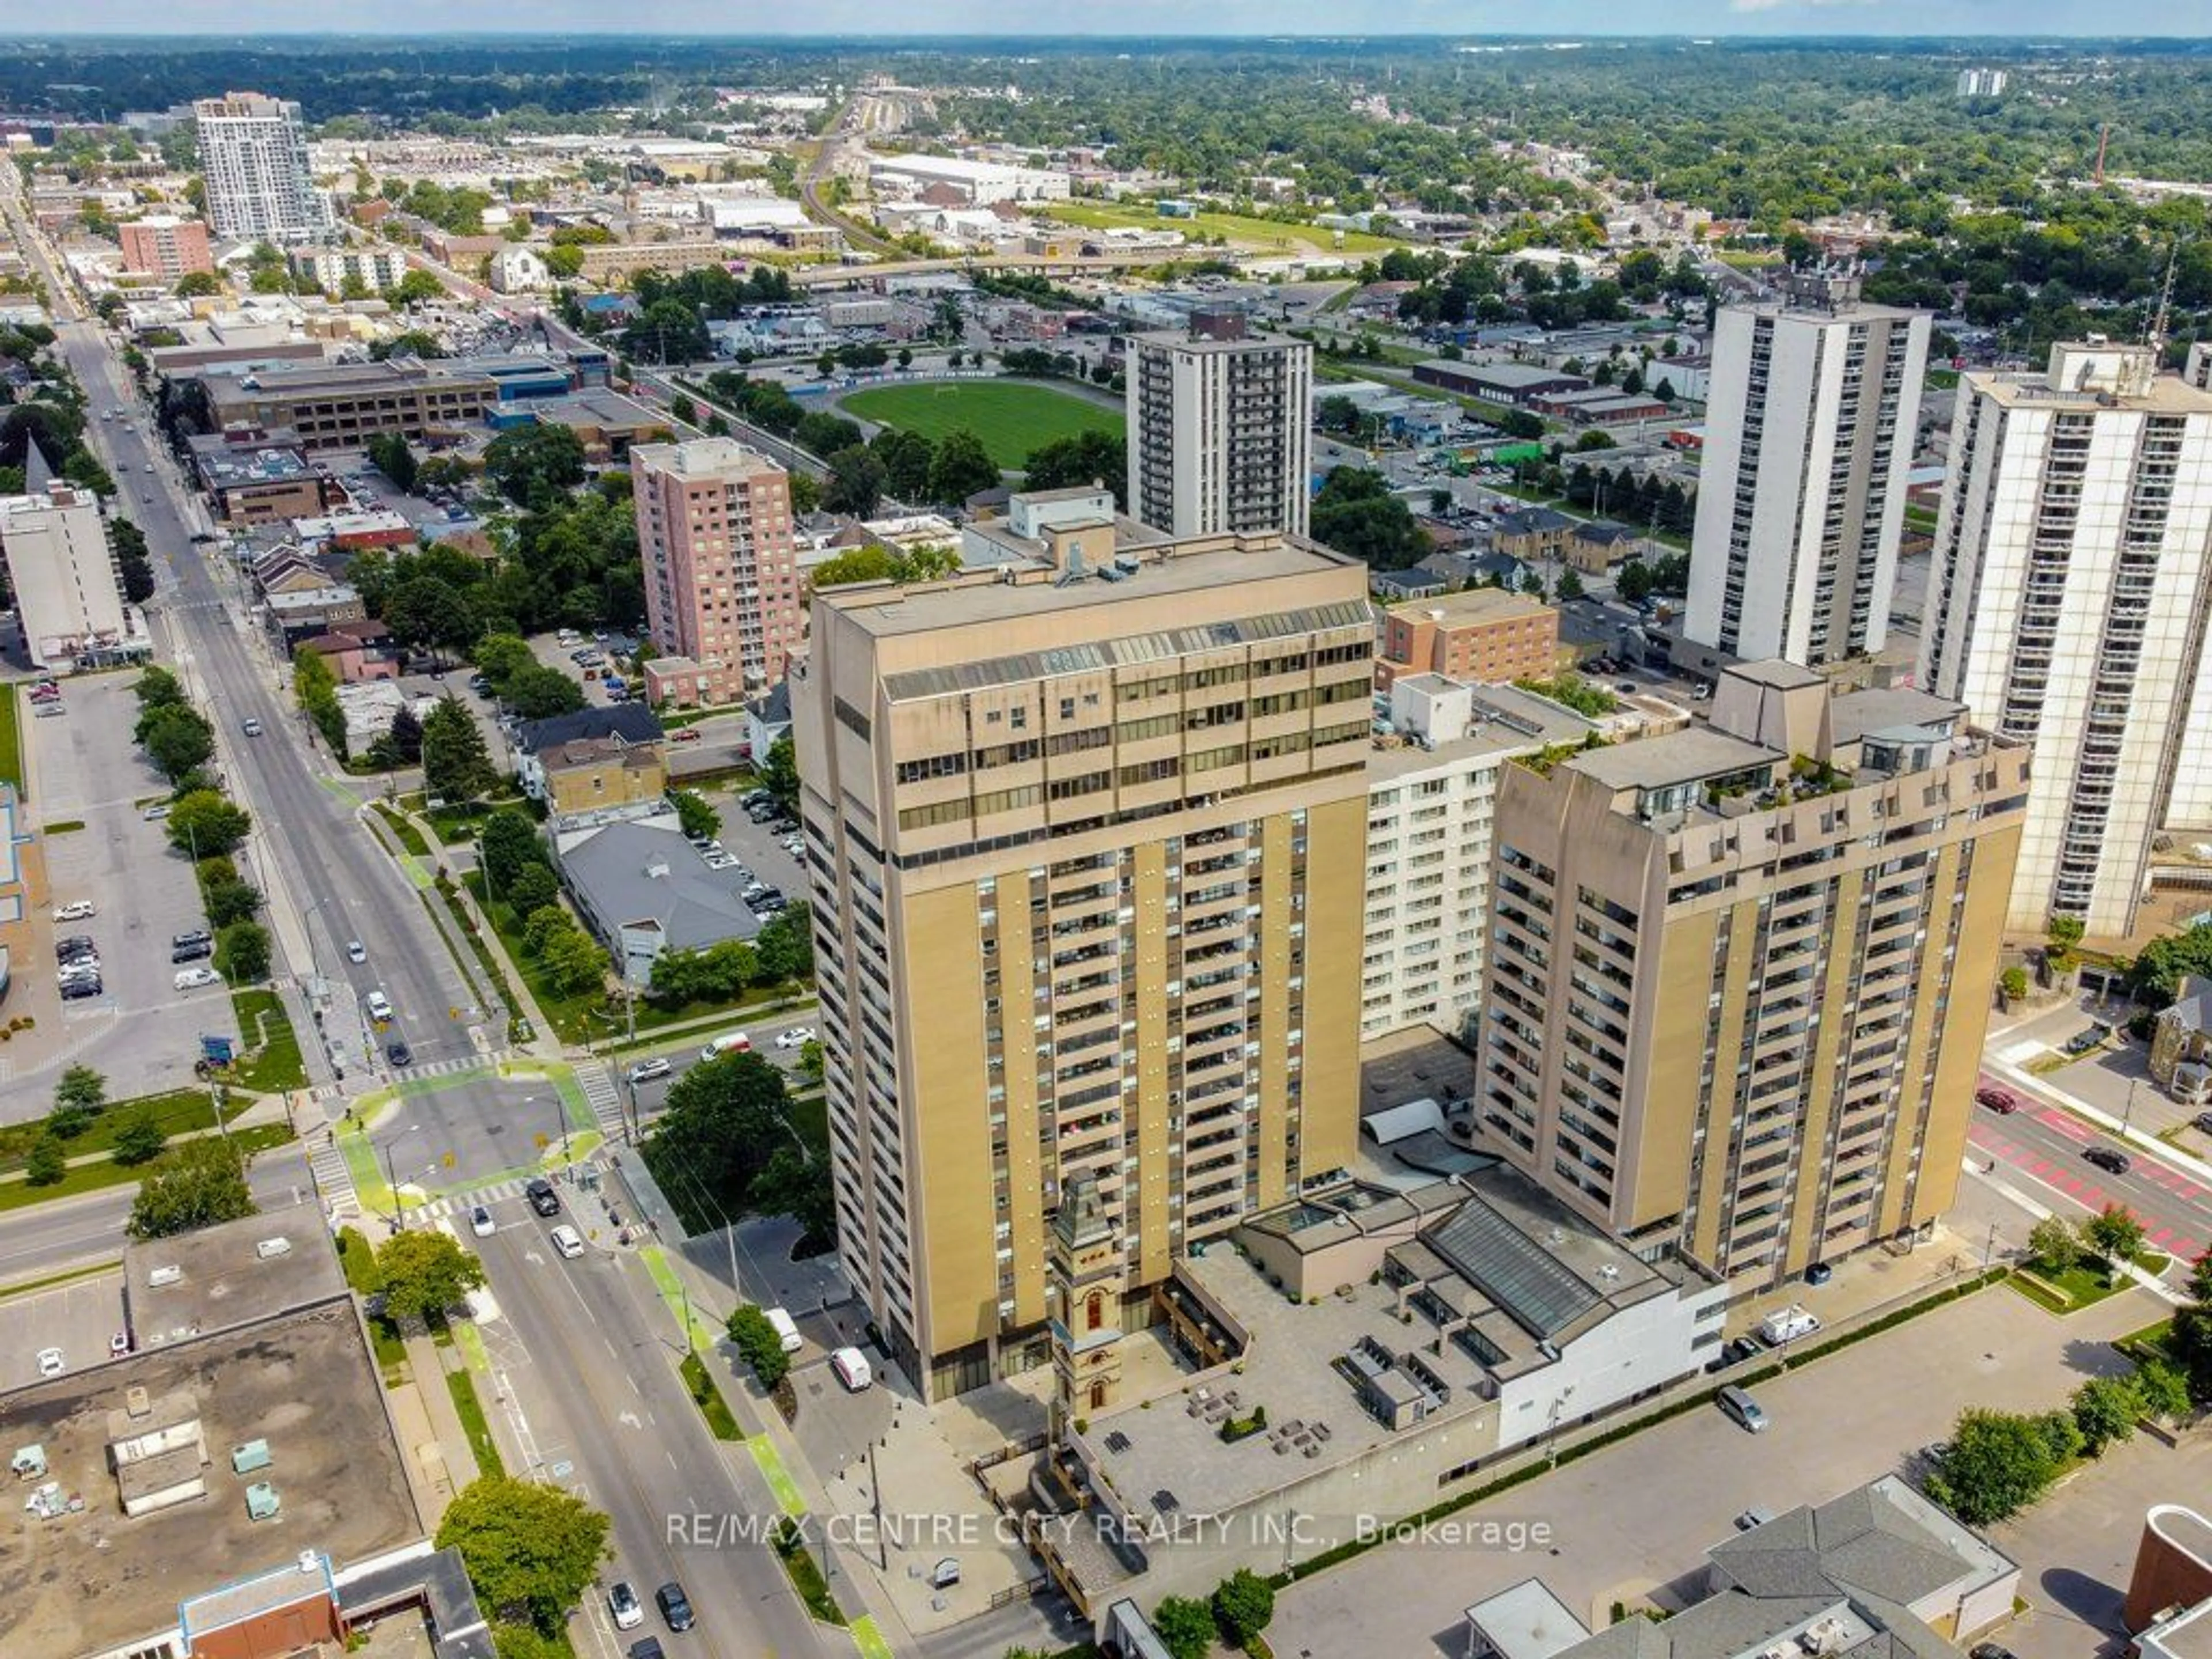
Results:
<point x="1011" y="418"/>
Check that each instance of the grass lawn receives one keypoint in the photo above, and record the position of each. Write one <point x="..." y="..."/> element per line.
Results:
<point x="1011" y="418"/>
<point x="11" y="743"/>
<point x="262" y="1020"/>
<point x="472" y="1423"/>
<point x="1262" y="234"/>
<point x="411" y="838"/>
<point x="67" y="826"/>
<point x="2081" y="1285"/>
<point x="178" y="1112"/>
<point x="569" y="1016"/>
<point x="92" y="1178"/>
<point x="708" y="1399"/>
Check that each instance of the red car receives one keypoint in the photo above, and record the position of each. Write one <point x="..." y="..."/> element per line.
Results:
<point x="684" y="734"/>
<point x="1997" y="1100"/>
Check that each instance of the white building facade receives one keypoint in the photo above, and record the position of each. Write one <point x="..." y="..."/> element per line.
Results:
<point x="69" y="601"/>
<point x="330" y="268"/>
<point x="253" y="153"/>
<point x="1219" y="439"/>
<point x="2067" y="606"/>
<point x="1811" y="408"/>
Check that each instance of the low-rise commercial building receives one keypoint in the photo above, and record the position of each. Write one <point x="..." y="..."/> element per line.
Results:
<point x="606" y="423"/>
<point x="1515" y="384"/>
<point x="643" y="889"/>
<point x="256" y="476"/>
<point x="1483" y="634"/>
<point x="978" y="183"/>
<point x="343" y="406"/>
<point x="69" y="597"/>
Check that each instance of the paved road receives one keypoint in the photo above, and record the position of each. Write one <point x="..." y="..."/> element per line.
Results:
<point x="327" y="883"/>
<point x="64" y="1233"/>
<point x="588" y="1355"/>
<point x="2041" y="1144"/>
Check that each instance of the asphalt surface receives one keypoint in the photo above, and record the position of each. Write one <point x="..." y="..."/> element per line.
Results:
<point x="586" y="1357"/>
<point x="2044" y="1144"/>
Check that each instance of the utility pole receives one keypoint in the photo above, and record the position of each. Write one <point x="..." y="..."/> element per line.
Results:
<point x="398" y="1202"/>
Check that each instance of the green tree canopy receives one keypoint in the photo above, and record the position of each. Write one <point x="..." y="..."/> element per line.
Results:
<point x="204" y="824"/>
<point x="533" y="461"/>
<point x="456" y="765"/>
<point x="506" y="841"/>
<point x="424" y="1272"/>
<point x="854" y="484"/>
<point x="758" y="1344"/>
<point x="195" y="1184"/>
<point x="1999" y="1463"/>
<point x="241" y="952"/>
<point x="1185" y="1625"/>
<point x="693" y="814"/>
<point x="539" y="691"/>
<point x="530" y="1549"/>
<point x="960" y="467"/>
<point x="176" y="738"/>
<point x="1356" y="513"/>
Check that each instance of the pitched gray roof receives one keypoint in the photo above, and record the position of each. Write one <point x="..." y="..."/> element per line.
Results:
<point x="693" y="906"/>
<point x="633" y="722"/>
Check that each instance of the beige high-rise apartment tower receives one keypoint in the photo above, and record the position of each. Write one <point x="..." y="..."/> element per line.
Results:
<point x="1085" y="840"/>
<point x="1739" y="975"/>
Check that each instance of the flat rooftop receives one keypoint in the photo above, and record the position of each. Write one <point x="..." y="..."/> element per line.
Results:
<point x="702" y="458"/>
<point x="1205" y="567"/>
<point x="338" y="379"/>
<point x="95" y="1580"/>
<point x="1854" y="714"/>
<point x="229" y="466"/>
<point x="1512" y="374"/>
<point x="223" y="1277"/>
<point x="1688" y="755"/>
<point x="1472" y="605"/>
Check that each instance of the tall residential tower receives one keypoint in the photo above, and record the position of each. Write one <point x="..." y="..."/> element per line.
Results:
<point x="1739" y="973"/>
<point x="1808" y="437"/>
<point x="2067" y="605"/>
<point x="722" y="571"/>
<point x="1219" y="434"/>
<point x="1085" y="839"/>
<point x="254" y="157"/>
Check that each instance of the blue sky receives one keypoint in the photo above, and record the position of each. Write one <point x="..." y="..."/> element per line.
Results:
<point x="1055" y="17"/>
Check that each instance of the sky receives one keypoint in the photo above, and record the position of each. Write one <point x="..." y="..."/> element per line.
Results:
<point x="1135" y="17"/>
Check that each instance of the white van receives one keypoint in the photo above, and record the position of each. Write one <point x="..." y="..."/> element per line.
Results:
<point x="786" y="1329"/>
<point x="852" y="1368"/>
<point x="379" y="1006"/>
<point x="1787" y="1325"/>
<point x="729" y="1042"/>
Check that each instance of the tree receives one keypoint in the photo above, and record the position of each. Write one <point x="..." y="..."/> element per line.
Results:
<point x="132" y="563"/>
<point x="535" y="461"/>
<point x="196" y="284"/>
<point x="424" y="1272"/>
<point x="195" y="1184"/>
<point x="2190" y="1341"/>
<point x="534" y="887"/>
<point x="2163" y="1390"/>
<point x="668" y="332"/>
<point x="415" y="288"/>
<point x="81" y="1092"/>
<point x="456" y="765"/>
<point x="694" y="816"/>
<point x="176" y="738"/>
<point x="1571" y="585"/>
<point x="906" y="457"/>
<point x="573" y="962"/>
<point x="2105" y="1411"/>
<point x="854" y="484"/>
<point x="2116" y="1236"/>
<point x="139" y="1139"/>
<point x="542" y="926"/>
<point x="392" y="456"/>
<point x="1185" y="1626"/>
<point x="1356" y="513"/>
<point x="779" y="774"/>
<point x="724" y="1117"/>
<point x="157" y="685"/>
<point x="204" y="824"/>
<point x="2053" y="1245"/>
<point x="501" y="657"/>
<point x="795" y="1185"/>
<point x="905" y="358"/>
<point x="530" y="1549"/>
<point x="507" y="842"/>
<point x="229" y="901"/>
<point x="48" y="1161"/>
<point x="759" y="1346"/>
<point x="539" y="692"/>
<point x="785" y="947"/>
<point x="405" y="735"/>
<point x="1243" y="1606"/>
<point x="241" y="952"/>
<point x="1085" y="457"/>
<point x="961" y="467"/>
<point x="1997" y="1463"/>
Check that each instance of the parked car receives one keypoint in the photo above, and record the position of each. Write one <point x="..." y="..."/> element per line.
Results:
<point x="2088" y="1037"/>
<point x="2204" y="1122"/>
<point x="623" y="1606"/>
<point x="1819" y="1274"/>
<point x="76" y="989"/>
<point x="158" y="811"/>
<point x="75" y="910"/>
<point x="646" y="1070"/>
<point x="51" y="1363"/>
<point x="192" y="978"/>
<point x="119" y="1345"/>
<point x="1753" y="1518"/>
<point x="684" y="734"/>
<point x="2110" y="1160"/>
<point x="1997" y="1100"/>
<point x="199" y="952"/>
<point x="190" y="936"/>
<point x="797" y="1037"/>
<point x="543" y="1199"/>
<point x="1737" y="1349"/>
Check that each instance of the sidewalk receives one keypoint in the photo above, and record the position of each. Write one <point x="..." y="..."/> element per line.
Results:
<point x="440" y="1460"/>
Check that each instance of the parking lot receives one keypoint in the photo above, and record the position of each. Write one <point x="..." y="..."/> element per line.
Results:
<point x="610" y="652"/>
<point x="88" y="771"/>
<point x="79" y="1319"/>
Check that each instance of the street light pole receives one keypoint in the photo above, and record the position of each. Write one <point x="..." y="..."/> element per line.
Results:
<point x="399" y="1202"/>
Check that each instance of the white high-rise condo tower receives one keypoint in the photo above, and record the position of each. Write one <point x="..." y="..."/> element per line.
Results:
<point x="253" y="154"/>
<point x="1219" y="428"/>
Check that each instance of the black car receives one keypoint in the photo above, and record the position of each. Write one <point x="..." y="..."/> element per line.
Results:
<point x="74" y="949"/>
<point x="675" y="1606"/>
<point x="196" y="936"/>
<point x="2110" y="1159"/>
<point x="192" y="952"/>
<point x="1737" y="1349"/>
<point x="400" y="1053"/>
<point x="74" y="988"/>
<point x="543" y="1199"/>
<point x="648" y="1647"/>
<point x="2204" y="1122"/>
<point x="1819" y="1274"/>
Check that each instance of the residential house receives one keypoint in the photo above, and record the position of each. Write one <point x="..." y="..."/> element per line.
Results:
<point x="2181" y="1044"/>
<point x="541" y="746"/>
<point x="357" y="652"/>
<point x="1596" y="546"/>
<point x="1532" y="533"/>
